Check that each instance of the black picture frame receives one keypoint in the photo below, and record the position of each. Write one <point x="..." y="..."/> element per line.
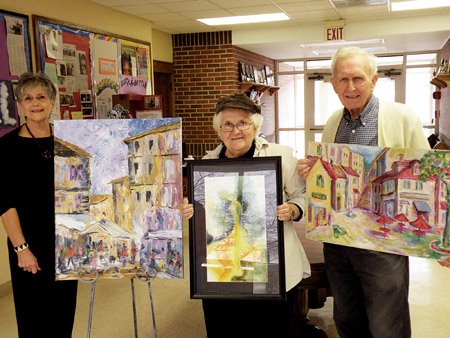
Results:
<point x="226" y="193"/>
<point x="153" y="102"/>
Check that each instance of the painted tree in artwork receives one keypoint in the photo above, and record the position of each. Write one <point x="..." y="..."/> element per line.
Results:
<point x="437" y="164"/>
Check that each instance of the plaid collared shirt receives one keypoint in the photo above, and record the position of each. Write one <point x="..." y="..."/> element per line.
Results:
<point x="363" y="130"/>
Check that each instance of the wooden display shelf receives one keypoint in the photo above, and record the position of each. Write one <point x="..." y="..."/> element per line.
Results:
<point x="441" y="80"/>
<point x="259" y="87"/>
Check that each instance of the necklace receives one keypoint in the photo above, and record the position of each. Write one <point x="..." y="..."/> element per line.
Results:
<point x="44" y="152"/>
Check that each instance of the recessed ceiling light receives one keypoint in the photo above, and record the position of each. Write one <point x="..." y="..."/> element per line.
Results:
<point x="351" y="3"/>
<point x="236" y="20"/>
<point x="330" y="52"/>
<point x="418" y="4"/>
<point x="342" y="43"/>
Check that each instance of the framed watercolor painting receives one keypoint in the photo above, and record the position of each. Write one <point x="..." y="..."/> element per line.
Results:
<point x="385" y="199"/>
<point x="118" y="185"/>
<point x="236" y="242"/>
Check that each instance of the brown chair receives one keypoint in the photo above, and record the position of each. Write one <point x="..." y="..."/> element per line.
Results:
<point x="312" y="292"/>
<point x="436" y="143"/>
<point x="441" y="146"/>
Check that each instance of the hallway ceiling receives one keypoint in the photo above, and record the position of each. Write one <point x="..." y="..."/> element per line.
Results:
<point x="179" y="16"/>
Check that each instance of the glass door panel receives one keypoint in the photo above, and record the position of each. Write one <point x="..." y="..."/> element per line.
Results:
<point x="294" y="139"/>
<point x="291" y="110"/>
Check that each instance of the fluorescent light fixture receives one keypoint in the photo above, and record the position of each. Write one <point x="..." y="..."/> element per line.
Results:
<point x="329" y="52"/>
<point x="236" y="20"/>
<point x="342" y="43"/>
<point x="418" y="4"/>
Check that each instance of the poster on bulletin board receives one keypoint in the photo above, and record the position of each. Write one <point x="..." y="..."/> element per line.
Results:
<point x="15" y="60"/>
<point x="82" y="61"/>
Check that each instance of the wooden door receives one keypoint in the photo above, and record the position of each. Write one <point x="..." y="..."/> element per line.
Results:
<point x="163" y="79"/>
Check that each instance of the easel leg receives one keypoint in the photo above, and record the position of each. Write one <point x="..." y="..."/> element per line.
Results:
<point x="152" y="310"/>
<point x="147" y="276"/>
<point x="91" y="309"/>
<point x="133" y="297"/>
<point x="89" y="277"/>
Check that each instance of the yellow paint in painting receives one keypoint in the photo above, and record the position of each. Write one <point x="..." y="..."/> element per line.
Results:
<point x="225" y="257"/>
<point x="318" y="187"/>
<point x="155" y="174"/>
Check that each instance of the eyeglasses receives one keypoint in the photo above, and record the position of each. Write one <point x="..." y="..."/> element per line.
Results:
<point x="228" y="126"/>
<point x="28" y="99"/>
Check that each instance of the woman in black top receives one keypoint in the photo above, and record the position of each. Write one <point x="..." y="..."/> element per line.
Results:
<point x="44" y="307"/>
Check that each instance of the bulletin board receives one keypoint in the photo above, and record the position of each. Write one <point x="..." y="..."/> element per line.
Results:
<point x="15" y="59"/>
<point x="89" y="66"/>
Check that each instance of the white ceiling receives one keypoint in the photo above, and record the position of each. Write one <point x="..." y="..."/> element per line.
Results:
<point x="419" y="30"/>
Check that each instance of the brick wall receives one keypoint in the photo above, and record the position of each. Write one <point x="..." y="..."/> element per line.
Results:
<point x="206" y="68"/>
<point x="267" y="101"/>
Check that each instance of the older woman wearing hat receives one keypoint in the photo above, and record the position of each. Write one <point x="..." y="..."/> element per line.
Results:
<point x="238" y="121"/>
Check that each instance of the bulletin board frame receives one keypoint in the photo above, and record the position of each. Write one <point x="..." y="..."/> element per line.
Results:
<point x="16" y="36"/>
<point x="107" y="56"/>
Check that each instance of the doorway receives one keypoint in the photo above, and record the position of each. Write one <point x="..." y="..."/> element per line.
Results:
<point x="163" y="80"/>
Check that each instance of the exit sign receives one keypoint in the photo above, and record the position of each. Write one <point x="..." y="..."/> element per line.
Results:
<point x="334" y="31"/>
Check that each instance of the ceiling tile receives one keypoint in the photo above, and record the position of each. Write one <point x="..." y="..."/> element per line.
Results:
<point x="254" y="10"/>
<point x="188" y="5"/>
<point x="239" y="3"/>
<point x="170" y="16"/>
<point x="142" y="9"/>
<point x="178" y="16"/>
<point x="114" y="3"/>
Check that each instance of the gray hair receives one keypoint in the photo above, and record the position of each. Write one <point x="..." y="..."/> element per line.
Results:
<point x="31" y="80"/>
<point x="256" y="119"/>
<point x="349" y="52"/>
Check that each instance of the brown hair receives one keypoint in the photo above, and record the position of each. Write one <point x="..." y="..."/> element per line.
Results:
<point x="31" y="80"/>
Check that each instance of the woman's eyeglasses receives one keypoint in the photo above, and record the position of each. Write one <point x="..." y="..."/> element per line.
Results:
<point x="227" y="126"/>
<point x="40" y="97"/>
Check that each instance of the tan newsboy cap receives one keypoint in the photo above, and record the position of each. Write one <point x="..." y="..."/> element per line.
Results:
<point x="239" y="101"/>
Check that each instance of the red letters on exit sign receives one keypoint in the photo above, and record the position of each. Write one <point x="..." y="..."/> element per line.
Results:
<point x="335" y="33"/>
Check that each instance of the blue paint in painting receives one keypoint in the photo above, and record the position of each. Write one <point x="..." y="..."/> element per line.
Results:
<point x="103" y="140"/>
<point x="369" y="153"/>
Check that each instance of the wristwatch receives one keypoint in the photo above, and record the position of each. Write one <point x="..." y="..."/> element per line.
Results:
<point x="292" y="213"/>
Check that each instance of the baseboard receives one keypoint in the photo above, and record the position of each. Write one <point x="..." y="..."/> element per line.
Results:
<point x="5" y="289"/>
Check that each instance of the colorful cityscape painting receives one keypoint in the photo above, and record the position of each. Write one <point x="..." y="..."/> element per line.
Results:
<point x="385" y="199"/>
<point x="118" y="186"/>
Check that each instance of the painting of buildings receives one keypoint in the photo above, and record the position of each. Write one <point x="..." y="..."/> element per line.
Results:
<point x="118" y="186"/>
<point x="384" y="199"/>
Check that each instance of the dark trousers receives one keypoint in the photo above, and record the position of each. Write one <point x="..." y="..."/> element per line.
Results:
<point x="44" y="308"/>
<point x="370" y="292"/>
<point x="249" y="318"/>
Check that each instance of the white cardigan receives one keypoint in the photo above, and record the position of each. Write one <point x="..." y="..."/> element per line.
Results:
<point x="398" y="127"/>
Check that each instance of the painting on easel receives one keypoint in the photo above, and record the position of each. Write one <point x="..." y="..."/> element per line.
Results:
<point x="385" y="199"/>
<point x="118" y="186"/>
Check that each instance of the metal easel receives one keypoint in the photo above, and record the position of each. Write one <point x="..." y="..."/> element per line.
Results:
<point x="90" y="277"/>
<point x="146" y="277"/>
